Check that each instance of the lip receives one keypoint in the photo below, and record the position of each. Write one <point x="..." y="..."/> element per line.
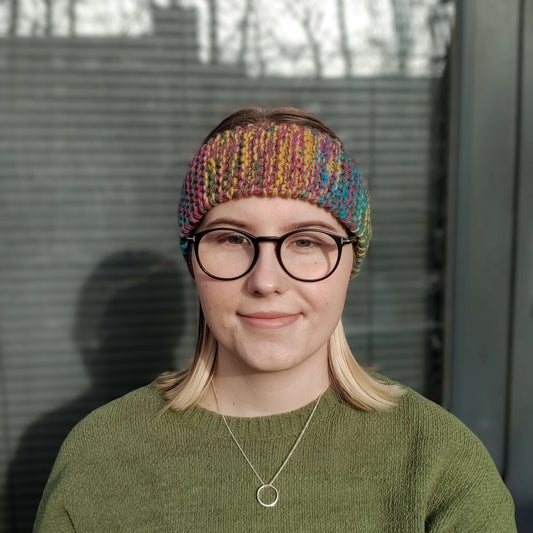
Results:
<point x="269" y="319"/>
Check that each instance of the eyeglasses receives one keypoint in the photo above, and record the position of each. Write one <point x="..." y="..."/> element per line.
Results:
<point x="304" y="254"/>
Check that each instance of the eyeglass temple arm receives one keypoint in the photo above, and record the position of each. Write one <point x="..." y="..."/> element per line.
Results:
<point x="349" y="240"/>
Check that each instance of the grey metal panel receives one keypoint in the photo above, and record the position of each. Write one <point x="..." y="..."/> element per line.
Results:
<point x="519" y="473"/>
<point x="4" y="440"/>
<point x="481" y="203"/>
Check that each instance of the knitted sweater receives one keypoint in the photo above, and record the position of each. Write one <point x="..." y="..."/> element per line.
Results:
<point x="415" y="468"/>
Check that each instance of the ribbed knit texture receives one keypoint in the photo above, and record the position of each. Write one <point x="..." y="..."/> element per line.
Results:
<point x="415" y="468"/>
<point x="277" y="160"/>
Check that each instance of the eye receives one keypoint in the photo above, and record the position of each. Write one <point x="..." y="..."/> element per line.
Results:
<point x="231" y="239"/>
<point x="234" y="239"/>
<point x="303" y="243"/>
<point x="308" y="241"/>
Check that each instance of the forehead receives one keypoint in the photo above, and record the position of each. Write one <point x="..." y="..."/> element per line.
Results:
<point x="261" y="214"/>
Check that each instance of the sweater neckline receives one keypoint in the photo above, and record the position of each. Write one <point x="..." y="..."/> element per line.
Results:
<point x="288" y="423"/>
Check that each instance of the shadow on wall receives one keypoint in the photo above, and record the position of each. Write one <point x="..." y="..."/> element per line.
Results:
<point x="128" y="322"/>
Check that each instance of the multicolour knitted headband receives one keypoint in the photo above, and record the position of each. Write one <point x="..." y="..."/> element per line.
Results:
<point x="285" y="160"/>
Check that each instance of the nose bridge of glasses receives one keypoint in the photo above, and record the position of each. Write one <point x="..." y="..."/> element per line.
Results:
<point x="267" y="238"/>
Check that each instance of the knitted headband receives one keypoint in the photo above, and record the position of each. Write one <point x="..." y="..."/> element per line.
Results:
<point x="285" y="160"/>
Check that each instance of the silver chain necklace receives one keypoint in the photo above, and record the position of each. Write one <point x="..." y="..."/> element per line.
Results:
<point x="271" y="483"/>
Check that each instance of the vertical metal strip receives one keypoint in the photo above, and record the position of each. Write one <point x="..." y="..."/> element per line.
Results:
<point x="482" y="173"/>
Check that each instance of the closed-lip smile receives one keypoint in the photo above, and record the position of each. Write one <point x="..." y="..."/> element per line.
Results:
<point x="269" y="319"/>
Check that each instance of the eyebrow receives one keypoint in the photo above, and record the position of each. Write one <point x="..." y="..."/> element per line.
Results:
<point x="287" y="227"/>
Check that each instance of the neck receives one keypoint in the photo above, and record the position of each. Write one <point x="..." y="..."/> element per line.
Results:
<point x="264" y="394"/>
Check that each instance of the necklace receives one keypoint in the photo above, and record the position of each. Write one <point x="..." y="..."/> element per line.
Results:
<point x="264" y="485"/>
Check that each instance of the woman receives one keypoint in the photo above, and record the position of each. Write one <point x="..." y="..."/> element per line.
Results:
<point x="274" y="427"/>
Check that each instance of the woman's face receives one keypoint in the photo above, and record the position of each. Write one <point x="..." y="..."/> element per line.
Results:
<point x="267" y="321"/>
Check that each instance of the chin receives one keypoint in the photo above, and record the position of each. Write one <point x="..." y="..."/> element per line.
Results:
<point x="276" y="359"/>
<point x="272" y="366"/>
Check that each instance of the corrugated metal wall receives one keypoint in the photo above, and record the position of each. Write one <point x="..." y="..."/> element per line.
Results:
<point x="95" y="136"/>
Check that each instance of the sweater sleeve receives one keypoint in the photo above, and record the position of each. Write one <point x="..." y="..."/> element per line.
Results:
<point x="54" y="513"/>
<point x="91" y="451"/>
<point x="52" y="516"/>
<point x="468" y="493"/>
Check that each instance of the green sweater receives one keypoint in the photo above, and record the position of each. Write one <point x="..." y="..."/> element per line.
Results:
<point x="415" y="468"/>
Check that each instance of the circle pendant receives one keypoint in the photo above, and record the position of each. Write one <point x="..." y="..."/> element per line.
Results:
<point x="261" y="489"/>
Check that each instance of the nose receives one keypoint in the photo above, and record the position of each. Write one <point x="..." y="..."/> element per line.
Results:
<point x="267" y="276"/>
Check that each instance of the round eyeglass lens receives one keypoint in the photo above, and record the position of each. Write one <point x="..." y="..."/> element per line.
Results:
<point x="309" y="255"/>
<point x="225" y="254"/>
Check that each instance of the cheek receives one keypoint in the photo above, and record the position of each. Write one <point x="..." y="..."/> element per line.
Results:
<point x="203" y="296"/>
<point x="333" y="294"/>
<point x="329" y="299"/>
<point x="218" y="299"/>
<point x="206" y="289"/>
<point x="210" y="295"/>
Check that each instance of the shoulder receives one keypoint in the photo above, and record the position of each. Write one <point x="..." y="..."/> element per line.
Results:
<point x="131" y="415"/>
<point x="434" y="435"/>
<point x="415" y="417"/>
<point x="144" y="403"/>
<point x="441" y="437"/>
<point x="434" y="441"/>
<point x="429" y="420"/>
<point x="463" y="490"/>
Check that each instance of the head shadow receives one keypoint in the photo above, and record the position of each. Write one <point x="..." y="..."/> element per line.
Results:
<point x="129" y="317"/>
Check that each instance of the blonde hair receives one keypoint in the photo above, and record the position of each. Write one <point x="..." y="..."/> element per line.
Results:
<point x="354" y="384"/>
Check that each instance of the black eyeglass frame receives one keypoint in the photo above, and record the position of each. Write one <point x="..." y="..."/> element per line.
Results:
<point x="340" y="240"/>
